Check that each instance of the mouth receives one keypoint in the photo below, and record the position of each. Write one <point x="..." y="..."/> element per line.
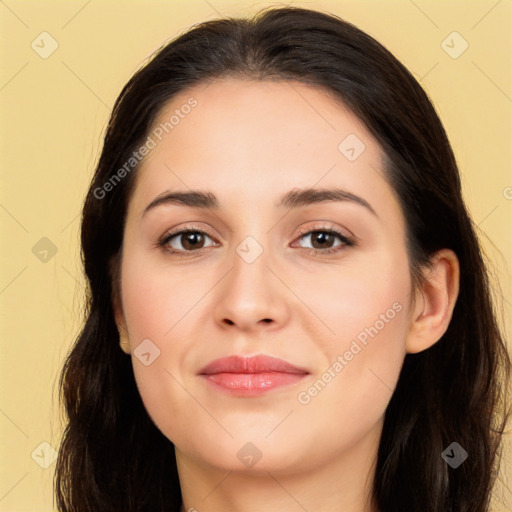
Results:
<point x="251" y="376"/>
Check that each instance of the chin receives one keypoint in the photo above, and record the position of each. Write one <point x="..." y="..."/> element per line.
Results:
<point x="246" y="454"/>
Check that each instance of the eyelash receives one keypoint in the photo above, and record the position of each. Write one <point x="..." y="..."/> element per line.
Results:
<point x="346" y="241"/>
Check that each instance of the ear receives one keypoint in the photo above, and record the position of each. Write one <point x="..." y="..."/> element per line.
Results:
<point x="434" y="302"/>
<point x="119" y="318"/>
<point x="124" y="341"/>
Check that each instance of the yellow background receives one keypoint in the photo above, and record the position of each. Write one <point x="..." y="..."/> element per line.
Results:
<point x="53" y="113"/>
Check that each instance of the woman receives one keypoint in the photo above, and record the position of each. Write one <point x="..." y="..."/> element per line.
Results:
<point x="288" y="308"/>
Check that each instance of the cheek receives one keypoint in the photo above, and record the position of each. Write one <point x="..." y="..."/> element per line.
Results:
<point x="367" y="313"/>
<point x="364" y="299"/>
<point x="162" y="308"/>
<point x="158" y="302"/>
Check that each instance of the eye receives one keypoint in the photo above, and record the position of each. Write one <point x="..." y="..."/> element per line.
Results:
<point x="323" y="240"/>
<point x="187" y="240"/>
<point x="193" y="240"/>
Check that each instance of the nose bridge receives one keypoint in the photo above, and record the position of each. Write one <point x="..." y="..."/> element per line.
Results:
<point x="250" y="259"/>
<point x="251" y="234"/>
<point x="249" y="293"/>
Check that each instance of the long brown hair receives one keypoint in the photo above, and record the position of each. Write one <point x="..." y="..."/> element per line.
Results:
<point x="113" y="457"/>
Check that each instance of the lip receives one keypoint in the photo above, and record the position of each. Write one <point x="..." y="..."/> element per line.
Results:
<point x="251" y="376"/>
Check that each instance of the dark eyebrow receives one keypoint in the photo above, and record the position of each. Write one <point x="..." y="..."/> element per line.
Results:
<point x="304" y="197"/>
<point x="292" y="199"/>
<point x="195" y="199"/>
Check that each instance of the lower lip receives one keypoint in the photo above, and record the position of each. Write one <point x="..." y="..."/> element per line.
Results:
<point x="252" y="384"/>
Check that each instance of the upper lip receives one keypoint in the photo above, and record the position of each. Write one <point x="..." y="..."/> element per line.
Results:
<point x="252" y="364"/>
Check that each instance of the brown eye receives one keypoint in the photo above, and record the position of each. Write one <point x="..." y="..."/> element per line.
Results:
<point x="191" y="240"/>
<point x="323" y="241"/>
<point x="186" y="241"/>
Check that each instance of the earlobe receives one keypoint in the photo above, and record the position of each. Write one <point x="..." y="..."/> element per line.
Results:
<point x="117" y="308"/>
<point x="435" y="301"/>
<point x="124" y="343"/>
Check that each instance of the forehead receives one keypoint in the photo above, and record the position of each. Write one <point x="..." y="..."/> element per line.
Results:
<point x="252" y="141"/>
<point x="261" y="115"/>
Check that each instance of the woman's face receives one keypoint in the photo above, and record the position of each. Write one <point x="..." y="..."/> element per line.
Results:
<point x="299" y="254"/>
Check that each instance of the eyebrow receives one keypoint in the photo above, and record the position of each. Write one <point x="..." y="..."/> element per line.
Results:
<point x="293" y="199"/>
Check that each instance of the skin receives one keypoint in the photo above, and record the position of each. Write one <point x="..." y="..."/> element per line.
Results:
<point x="249" y="143"/>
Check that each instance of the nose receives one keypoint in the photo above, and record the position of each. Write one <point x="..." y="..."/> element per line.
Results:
<point x="251" y="296"/>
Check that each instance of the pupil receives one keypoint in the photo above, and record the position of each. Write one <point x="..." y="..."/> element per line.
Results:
<point x="192" y="239"/>
<point x="322" y="238"/>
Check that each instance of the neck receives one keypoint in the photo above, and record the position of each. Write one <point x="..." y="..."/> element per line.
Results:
<point x="342" y="484"/>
